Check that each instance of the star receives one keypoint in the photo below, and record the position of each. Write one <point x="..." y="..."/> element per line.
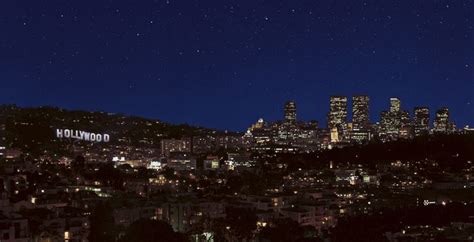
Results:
<point x="209" y="40"/>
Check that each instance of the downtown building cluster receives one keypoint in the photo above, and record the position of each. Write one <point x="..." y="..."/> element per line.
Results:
<point x="218" y="186"/>
<point x="394" y="123"/>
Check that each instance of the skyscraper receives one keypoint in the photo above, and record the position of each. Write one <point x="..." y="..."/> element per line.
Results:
<point x="441" y="122"/>
<point x="394" y="104"/>
<point x="290" y="112"/>
<point x="360" y="112"/>
<point x="337" y="116"/>
<point x="421" y="121"/>
<point x="391" y="122"/>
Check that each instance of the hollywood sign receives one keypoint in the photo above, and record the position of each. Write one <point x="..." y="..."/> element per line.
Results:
<point x="82" y="135"/>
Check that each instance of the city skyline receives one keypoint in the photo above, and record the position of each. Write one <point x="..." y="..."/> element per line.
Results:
<point x="273" y="111"/>
<point x="290" y="113"/>
<point x="236" y="120"/>
<point x="223" y="65"/>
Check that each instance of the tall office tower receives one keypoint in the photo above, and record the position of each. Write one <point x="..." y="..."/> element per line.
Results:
<point x="290" y="112"/>
<point x="404" y="118"/>
<point x="421" y="121"/>
<point x="337" y="116"/>
<point x="441" y="123"/>
<point x="360" y="112"/>
<point x="393" y="121"/>
<point x="389" y="123"/>
<point x="394" y="104"/>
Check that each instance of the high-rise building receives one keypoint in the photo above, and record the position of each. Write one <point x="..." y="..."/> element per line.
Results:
<point x="360" y="112"/>
<point x="260" y="124"/>
<point x="290" y="112"/>
<point x="404" y="118"/>
<point x="395" y="104"/>
<point x="337" y="116"/>
<point x="441" y="123"/>
<point x="391" y="122"/>
<point x="334" y="135"/>
<point x="421" y="121"/>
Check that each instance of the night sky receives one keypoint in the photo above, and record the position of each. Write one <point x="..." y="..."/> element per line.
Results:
<point x="224" y="64"/>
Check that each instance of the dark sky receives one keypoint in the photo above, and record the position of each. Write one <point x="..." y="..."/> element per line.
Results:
<point x="224" y="64"/>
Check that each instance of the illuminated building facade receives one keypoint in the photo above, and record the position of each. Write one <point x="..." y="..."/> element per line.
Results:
<point x="395" y="104"/>
<point x="389" y="125"/>
<point x="181" y="161"/>
<point x="360" y="112"/>
<point x="359" y="130"/>
<point x="175" y="145"/>
<point x="392" y="121"/>
<point x="290" y="112"/>
<point x="258" y="125"/>
<point x="360" y="135"/>
<point x="289" y="130"/>
<point x="421" y="121"/>
<point x="441" y="123"/>
<point x="337" y="117"/>
<point x="334" y="135"/>
<point x="211" y="163"/>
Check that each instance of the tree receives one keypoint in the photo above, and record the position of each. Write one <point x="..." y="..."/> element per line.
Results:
<point x="241" y="222"/>
<point x="79" y="163"/>
<point x="283" y="230"/>
<point x="110" y="175"/>
<point x="102" y="224"/>
<point x="146" y="230"/>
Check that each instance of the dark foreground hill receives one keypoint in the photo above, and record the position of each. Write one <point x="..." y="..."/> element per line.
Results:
<point x="31" y="129"/>
<point x="451" y="152"/>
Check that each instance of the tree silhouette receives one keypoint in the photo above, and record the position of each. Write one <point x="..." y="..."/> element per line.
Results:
<point x="102" y="224"/>
<point x="146" y="230"/>
<point x="283" y="230"/>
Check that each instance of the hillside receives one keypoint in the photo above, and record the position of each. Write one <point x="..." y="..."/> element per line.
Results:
<point x="32" y="129"/>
